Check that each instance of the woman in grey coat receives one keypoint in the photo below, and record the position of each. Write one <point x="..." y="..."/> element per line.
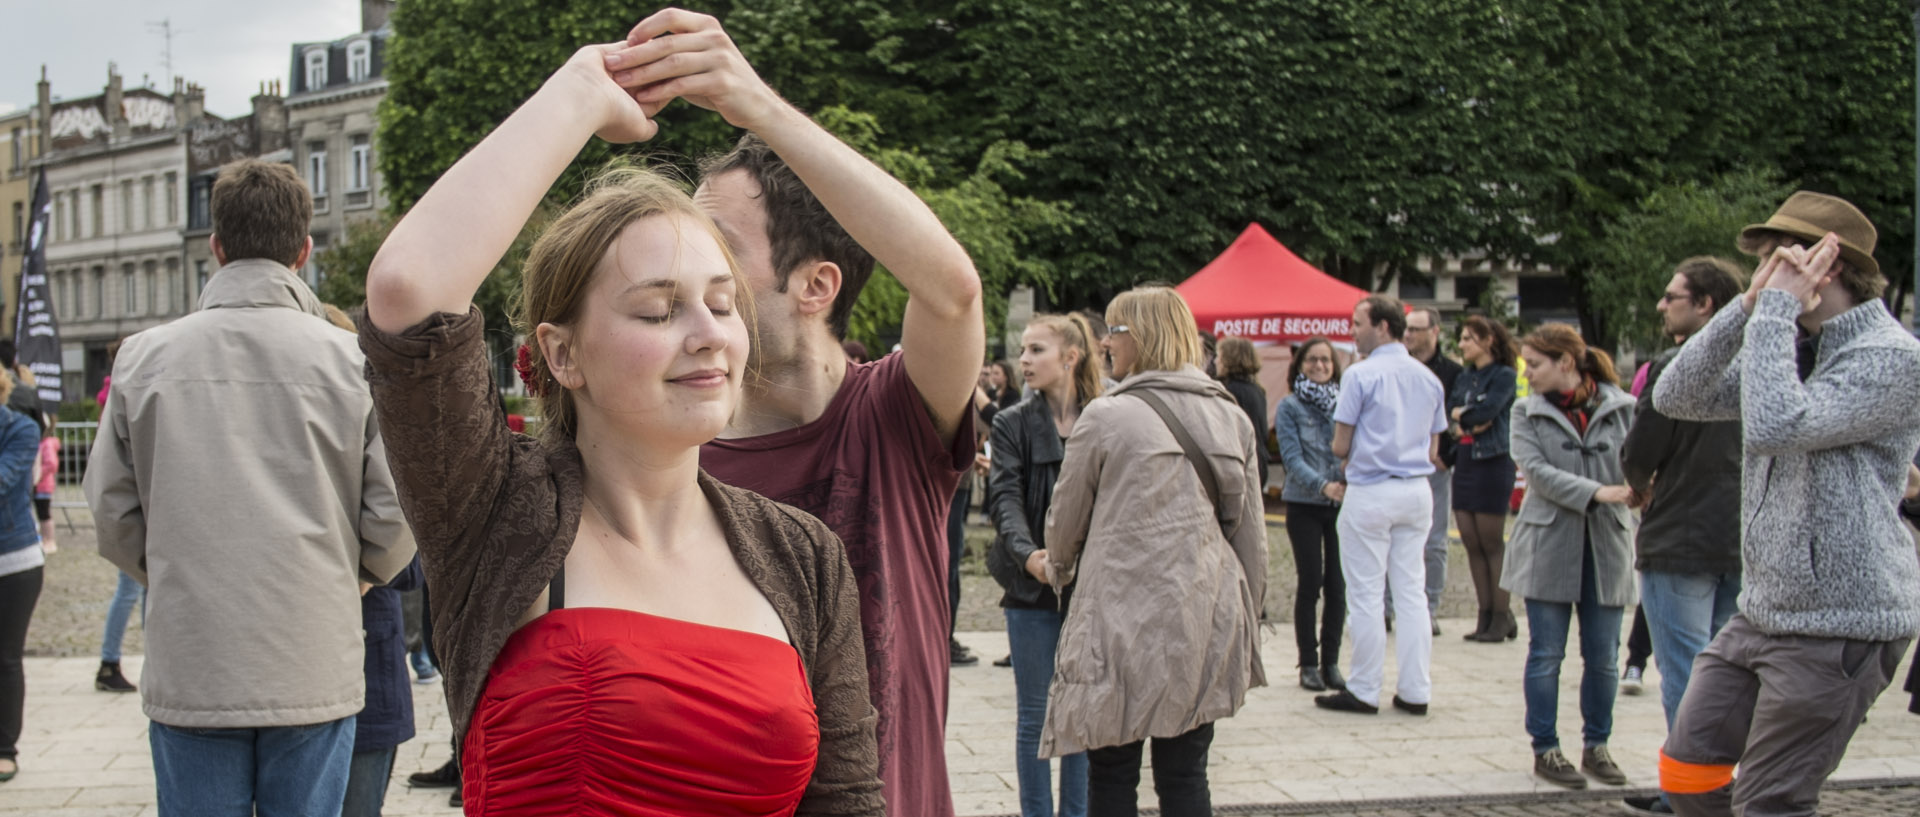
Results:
<point x="1572" y="550"/>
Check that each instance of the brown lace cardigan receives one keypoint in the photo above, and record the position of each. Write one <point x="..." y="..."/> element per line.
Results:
<point x="495" y="513"/>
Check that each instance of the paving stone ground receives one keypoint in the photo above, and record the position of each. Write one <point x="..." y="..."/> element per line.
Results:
<point x="84" y="753"/>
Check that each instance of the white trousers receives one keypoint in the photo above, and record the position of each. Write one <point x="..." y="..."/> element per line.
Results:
<point x="1383" y="532"/>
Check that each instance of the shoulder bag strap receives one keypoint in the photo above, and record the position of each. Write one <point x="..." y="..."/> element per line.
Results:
<point x="1207" y="479"/>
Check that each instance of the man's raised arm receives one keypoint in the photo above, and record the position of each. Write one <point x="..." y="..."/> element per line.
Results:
<point x="944" y="328"/>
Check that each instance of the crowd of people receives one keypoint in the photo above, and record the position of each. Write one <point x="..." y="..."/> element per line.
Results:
<point x="717" y="580"/>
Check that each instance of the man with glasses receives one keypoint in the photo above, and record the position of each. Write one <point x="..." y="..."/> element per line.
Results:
<point x="1687" y="475"/>
<point x="1423" y="343"/>
<point x="1387" y="424"/>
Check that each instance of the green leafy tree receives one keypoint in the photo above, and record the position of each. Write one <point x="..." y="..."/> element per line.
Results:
<point x="344" y="276"/>
<point x="1640" y="248"/>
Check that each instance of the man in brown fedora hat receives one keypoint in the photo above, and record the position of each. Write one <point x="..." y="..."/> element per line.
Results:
<point x="1826" y="385"/>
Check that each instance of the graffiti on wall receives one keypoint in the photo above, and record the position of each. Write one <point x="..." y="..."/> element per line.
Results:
<point x="86" y="122"/>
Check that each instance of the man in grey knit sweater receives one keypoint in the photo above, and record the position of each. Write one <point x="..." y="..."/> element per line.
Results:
<point x="1827" y="386"/>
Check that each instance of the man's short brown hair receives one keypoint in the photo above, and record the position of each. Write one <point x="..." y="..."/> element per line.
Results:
<point x="261" y="210"/>
<point x="1713" y="279"/>
<point x="799" y="228"/>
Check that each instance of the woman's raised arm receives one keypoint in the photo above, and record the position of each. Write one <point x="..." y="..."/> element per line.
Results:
<point x="443" y="248"/>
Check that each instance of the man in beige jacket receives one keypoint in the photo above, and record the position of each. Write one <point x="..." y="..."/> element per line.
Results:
<point x="237" y="474"/>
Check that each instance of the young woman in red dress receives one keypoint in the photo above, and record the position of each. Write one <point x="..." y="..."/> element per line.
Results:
<point x="621" y="634"/>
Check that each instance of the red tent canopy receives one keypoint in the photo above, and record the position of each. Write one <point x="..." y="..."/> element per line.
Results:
<point x="1259" y="290"/>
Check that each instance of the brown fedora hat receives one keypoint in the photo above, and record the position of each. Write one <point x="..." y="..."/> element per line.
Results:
<point x="1811" y="216"/>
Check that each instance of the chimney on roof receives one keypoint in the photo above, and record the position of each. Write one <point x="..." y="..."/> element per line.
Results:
<point x="116" y="108"/>
<point x="374" y="14"/>
<point x="269" y="118"/>
<point x="45" y="92"/>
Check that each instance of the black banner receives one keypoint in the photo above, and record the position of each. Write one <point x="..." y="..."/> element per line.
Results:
<point x="36" y="331"/>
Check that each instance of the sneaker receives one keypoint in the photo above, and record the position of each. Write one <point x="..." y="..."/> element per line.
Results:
<point x="109" y="679"/>
<point x="447" y="776"/>
<point x="960" y="655"/>
<point x="1343" y="701"/>
<point x="1004" y="662"/>
<point x="427" y="675"/>
<point x="1646" y="805"/>
<point x="1553" y="767"/>
<point x="1597" y="761"/>
<point x="455" y="801"/>
<point x="1630" y="681"/>
<point x="1409" y="708"/>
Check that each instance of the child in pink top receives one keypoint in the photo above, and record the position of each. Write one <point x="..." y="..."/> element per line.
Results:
<point x="49" y="469"/>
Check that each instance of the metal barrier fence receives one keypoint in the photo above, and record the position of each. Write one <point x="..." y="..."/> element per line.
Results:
<point x="76" y="439"/>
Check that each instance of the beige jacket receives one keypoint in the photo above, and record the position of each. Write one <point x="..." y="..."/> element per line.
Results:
<point x="1163" y="633"/>
<point x="238" y="475"/>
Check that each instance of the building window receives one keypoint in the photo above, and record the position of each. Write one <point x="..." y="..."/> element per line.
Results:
<point x="99" y="291"/>
<point x="152" y="271"/>
<point x="19" y="221"/>
<point x="126" y="207"/>
<point x="127" y="291"/>
<point x="173" y="285"/>
<point x="311" y="272"/>
<point x="199" y="211"/>
<point x="360" y="175"/>
<point x="317" y="68"/>
<point x="146" y="201"/>
<point x="59" y="217"/>
<point x="317" y="174"/>
<point x="359" y="60"/>
<point x="19" y="151"/>
<point x="173" y="199"/>
<point x="99" y="210"/>
<point x="199" y="277"/>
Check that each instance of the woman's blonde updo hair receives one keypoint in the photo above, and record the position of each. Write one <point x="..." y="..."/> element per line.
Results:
<point x="560" y="267"/>
<point x="1076" y="333"/>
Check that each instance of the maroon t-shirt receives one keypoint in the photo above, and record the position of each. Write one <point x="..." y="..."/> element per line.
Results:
<point x="873" y="468"/>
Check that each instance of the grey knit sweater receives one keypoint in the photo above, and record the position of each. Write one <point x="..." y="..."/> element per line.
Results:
<point x="1825" y="463"/>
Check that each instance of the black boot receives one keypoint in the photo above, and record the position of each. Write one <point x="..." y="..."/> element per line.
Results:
<point x="1310" y="680"/>
<point x="1486" y="623"/>
<point x="445" y="777"/>
<point x="1504" y="628"/>
<point x="110" y="679"/>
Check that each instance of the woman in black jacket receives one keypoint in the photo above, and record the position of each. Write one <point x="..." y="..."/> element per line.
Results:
<point x="1028" y="443"/>
<point x="1238" y="363"/>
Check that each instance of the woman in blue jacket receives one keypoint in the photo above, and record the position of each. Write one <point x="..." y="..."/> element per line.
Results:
<point x="1480" y="408"/>
<point x="1304" y="426"/>
<point x="21" y="568"/>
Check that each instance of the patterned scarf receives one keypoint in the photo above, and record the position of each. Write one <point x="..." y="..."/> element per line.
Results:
<point x="1575" y="404"/>
<point x="1321" y="396"/>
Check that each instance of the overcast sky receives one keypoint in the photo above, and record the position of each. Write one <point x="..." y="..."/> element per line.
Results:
<point x="227" y="46"/>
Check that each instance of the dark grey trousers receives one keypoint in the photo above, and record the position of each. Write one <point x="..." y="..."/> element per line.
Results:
<point x="1781" y="707"/>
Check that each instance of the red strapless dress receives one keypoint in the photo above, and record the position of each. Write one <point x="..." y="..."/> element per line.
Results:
<point x="596" y="711"/>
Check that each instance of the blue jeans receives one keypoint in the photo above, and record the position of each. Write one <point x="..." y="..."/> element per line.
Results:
<point x="125" y="596"/>
<point x="1684" y="612"/>
<point x="1033" y="636"/>
<point x="367" y="782"/>
<point x="287" y="771"/>
<point x="1547" y="624"/>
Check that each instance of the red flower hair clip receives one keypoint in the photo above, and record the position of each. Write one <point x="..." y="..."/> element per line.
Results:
<point x="523" y="363"/>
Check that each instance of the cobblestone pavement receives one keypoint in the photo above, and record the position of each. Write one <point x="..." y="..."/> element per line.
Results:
<point x="85" y="754"/>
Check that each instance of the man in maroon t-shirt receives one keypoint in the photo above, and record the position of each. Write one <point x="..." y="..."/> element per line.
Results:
<point x="875" y="450"/>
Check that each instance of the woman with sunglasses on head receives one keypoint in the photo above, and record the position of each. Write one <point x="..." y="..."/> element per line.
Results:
<point x="1157" y="522"/>
<point x="1314" y="488"/>
<point x="621" y="633"/>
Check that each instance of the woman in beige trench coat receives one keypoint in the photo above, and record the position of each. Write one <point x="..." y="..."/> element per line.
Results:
<point x="1163" y="635"/>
